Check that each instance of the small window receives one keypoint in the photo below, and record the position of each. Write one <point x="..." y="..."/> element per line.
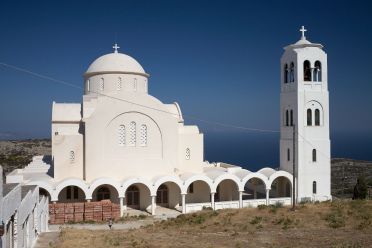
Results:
<point x="76" y="192"/>
<point x="309" y="117"/>
<point x="291" y="73"/>
<point x="102" y="84"/>
<point x="314" y="187"/>
<point x="88" y="85"/>
<point x="132" y="134"/>
<point x="314" y="155"/>
<point x="317" y="117"/>
<point x="307" y="71"/>
<point x="68" y="193"/>
<point x="118" y="86"/>
<point x="288" y="154"/>
<point x="190" y="189"/>
<point x="287" y="118"/>
<point x="121" y="135"/>
<point x="286" y="73"/>
<point x="72" y="157"/>
<point x="135" y="84"/>
<point x="188" y="154"/>
<point x="143" y="135"/>
<point x="291" y="117"/>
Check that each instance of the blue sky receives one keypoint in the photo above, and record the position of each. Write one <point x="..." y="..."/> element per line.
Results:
<point x="219" y="59"/>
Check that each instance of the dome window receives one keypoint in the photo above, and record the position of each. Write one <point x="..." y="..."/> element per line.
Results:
<point x="119" y="84"/>
<point x="102" y="84"/>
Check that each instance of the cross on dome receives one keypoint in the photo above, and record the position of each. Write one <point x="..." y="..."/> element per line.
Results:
<point x="116" y="47"/>
<point x="303" y="30"/>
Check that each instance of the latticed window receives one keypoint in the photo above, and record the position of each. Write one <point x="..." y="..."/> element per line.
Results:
<point x="188" y="155"/>
<point x="143" y="137"/>
<point x="121" y="135"/>
<point x="135" y="84"/>
<point x="118" y="86"/>
<point x="132" y="134"/>
<point x="72" y="157"/>
<point x="102" y="84"/>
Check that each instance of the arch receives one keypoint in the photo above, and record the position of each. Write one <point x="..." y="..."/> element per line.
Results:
<point x="103" y="181"/>
<point x="309" y="117"/>
<point x="279" y="174"/>
<point x="314" y="158"/>
<point x="128" y="182"/>
<point x="318" y="71"/>
<point x="169" y="178"/>
<point x="286" y="73"/>
<point x="280" y="187"/>
<point x="195" y="178"/>
<point x="307" y="71"/>
<point x="257" y="175"/>
<point x="48" y="187"/>
<point x="103" y="193"/>
<point x="226" y="176"/>
<point x="72" y="182"/>
<point x="291" y="73"/>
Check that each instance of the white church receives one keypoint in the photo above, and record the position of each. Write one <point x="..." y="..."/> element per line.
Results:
<point x="123" y="144"/>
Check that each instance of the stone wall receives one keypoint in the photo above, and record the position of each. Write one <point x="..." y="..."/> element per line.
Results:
<point x="344" y="174"/>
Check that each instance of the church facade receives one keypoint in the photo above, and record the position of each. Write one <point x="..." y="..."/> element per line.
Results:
<point x="121" y="143"/>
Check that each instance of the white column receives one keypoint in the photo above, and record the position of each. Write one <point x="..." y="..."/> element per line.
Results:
<point x="183" y="203"/>
<point x="240" y="199"/>
<point x="267" y="196"/>
<point x="212" y="200"/>
<point x="153" y="204"/>
<point x="121" y="206"/>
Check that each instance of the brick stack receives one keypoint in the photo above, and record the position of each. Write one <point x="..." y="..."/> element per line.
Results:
<point x="78" y="212"/>
<point x="60" y="213"/>
<point x="97" y="211"/>
<point x="88" y="211"/>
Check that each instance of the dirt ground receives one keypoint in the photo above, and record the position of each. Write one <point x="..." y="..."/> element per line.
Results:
<point x="337" y="224"/>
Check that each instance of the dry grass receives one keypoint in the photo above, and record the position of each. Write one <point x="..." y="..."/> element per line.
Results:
<point x="337" y="224"/>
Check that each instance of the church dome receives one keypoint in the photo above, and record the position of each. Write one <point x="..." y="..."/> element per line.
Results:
<point x="115" y="63"/>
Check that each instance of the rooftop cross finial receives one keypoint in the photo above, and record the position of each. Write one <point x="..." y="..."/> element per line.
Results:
<point x="303" y="30"/>
<point x="116" y="47"/>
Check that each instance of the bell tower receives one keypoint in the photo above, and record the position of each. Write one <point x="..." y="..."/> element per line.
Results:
<point x="304" y="110"/>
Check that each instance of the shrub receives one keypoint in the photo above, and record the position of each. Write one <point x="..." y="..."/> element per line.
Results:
<point x="256" y="220"/>
<point x="360" y="189"/>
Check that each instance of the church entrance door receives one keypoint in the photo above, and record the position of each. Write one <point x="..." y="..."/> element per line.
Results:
<point x="162" y="196"/>
<point x="133" y="197"/>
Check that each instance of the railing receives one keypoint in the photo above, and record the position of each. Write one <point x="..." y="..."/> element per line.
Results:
<point x="253" y="203"/>
<point x="193" y="207"/>
<point x="281" y="200"/>
<point x="226" y="204"/>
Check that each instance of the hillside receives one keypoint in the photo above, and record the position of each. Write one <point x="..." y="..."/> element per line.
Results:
<point x="337" y="224"/>
<point x="17" y="154"/>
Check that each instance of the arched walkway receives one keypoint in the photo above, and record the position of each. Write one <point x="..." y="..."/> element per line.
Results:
<point x="227" y="190"/>
<point x="280" y="187"/>
<point x="106" y="192"/>
<point x="71" y="193"/>
<point x="138" y="196"/>
<point x="168" y="195"/>
<point x="197" y="196"/>
<point x="254" y="188"/>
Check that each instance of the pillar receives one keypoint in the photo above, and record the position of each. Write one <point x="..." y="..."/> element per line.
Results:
<point x="121" y="200"/>
<point x="183" y="203"/>
<point x="212" y="200"/>
<point x="240" y="199"/>
<point x="153" y="204"/>
<point x="267" y="196"/>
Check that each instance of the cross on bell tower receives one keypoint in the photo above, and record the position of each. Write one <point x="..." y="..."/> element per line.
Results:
<point x="116" y="47"/>
<point x="303" y="30"/>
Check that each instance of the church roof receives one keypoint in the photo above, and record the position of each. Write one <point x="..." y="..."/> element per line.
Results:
<point x="115" y="63"/>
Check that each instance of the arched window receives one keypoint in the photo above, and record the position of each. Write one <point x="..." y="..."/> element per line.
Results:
<point x="188" y="155"/>
<point x="286" y="73"/>
<point x="102" y="84"/>
<point x="118" y="86"/>
<point x="143" y="137"/>
<point x="291" y="117"/>
<point x="291" y="73"/>
<point x="121" y="135"/>
<point x="132" y="134"/>
<point x="72" y="157"/>
<point x="88" y="85"/>
<point x="103" y="193"/>
<point x="288" y="154"/>
<point x="287" y="118"/>
<point x="314" y="187"/>
<point x="318" y="71"/>
<point x="317" y="117"/>
<point x="307" y="71"/>
<point x="309" y="117"/>
<point x="314" y="155"/>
